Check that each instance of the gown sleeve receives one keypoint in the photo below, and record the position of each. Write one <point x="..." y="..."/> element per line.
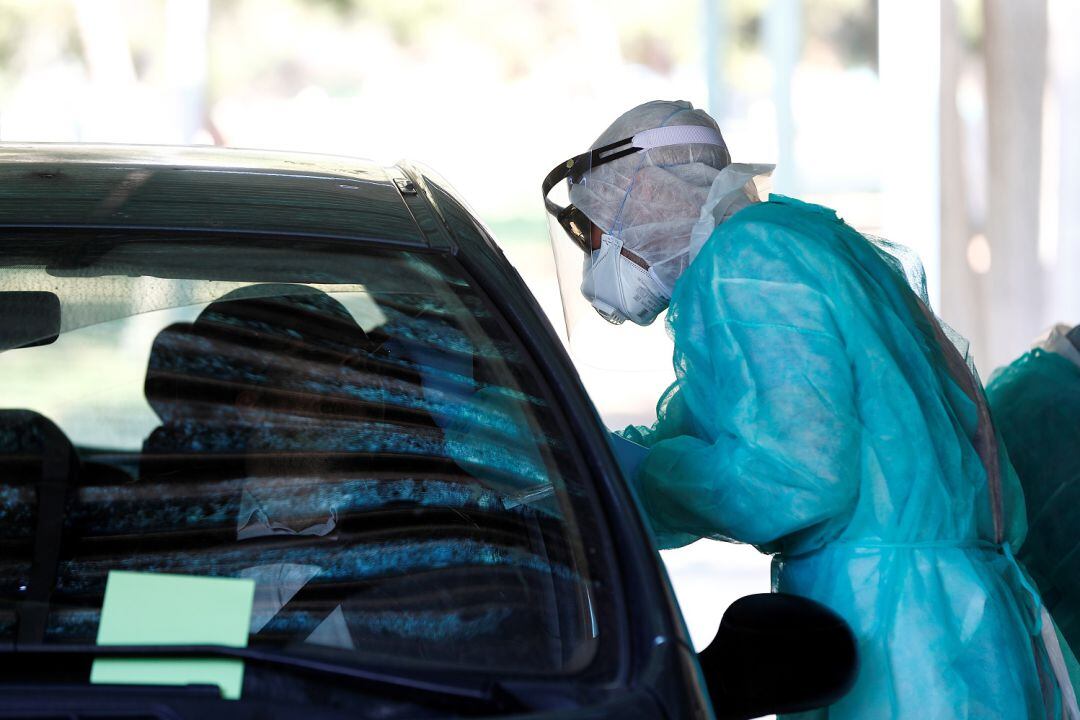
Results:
<point x="759" y="437"/>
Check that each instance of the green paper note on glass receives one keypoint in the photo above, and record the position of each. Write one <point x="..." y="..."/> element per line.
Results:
<point x="153" y="609"/>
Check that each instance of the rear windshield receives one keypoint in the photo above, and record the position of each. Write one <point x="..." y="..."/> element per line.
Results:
<point x="351" y="429"/>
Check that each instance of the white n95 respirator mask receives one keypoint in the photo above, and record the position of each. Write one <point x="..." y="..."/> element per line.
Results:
<point x="619" y="288"/>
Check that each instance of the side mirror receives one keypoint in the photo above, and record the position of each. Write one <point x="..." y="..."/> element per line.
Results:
<point x="778" y="653"/>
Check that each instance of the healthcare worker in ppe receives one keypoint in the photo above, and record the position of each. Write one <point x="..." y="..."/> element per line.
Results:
<point x="821" y="413"/>
<point x="1036" y="405"/>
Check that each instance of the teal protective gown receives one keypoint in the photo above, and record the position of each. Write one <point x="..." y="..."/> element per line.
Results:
<point x="820" y="414"/>
<point x="1036" y="404"/>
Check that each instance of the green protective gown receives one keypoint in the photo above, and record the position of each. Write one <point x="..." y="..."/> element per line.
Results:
<point x="820" y="414"/>
<point x="1036" y="404"/>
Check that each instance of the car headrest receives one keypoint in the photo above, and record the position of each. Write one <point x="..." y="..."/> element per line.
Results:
<point x="249" y="349"/>
<point x="33" y="452"/>
<point x="30" y="436"/>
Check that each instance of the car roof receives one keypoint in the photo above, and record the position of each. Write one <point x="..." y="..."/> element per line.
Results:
<point x="205" y="189"/>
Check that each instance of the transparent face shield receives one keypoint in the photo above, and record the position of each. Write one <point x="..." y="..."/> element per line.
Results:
<point x="600" y="306"/>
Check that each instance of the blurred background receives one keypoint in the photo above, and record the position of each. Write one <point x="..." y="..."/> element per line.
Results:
<point x="952" y="127"/>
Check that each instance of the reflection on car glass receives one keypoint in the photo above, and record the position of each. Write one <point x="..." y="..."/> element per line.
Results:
<point x="394" y="487"/>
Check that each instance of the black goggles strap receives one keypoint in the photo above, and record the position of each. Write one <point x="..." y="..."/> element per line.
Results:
<point x="575" y="167"/>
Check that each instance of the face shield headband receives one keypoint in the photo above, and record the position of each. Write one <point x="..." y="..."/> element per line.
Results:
<point x="574" y="222"/>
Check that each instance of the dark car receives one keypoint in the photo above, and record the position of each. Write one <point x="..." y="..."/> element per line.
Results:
<point x="319" y="379"/>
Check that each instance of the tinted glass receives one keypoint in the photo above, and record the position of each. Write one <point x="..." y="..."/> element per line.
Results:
<point x="352" y="429"/>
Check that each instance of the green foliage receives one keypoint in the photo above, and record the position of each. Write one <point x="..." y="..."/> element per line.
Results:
<point x="847" y="28"/>
<point x="32" y="33"/>
<point x="12" y="29"/>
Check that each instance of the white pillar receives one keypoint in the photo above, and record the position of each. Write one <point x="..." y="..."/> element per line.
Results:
<point x="961" y="305"/>
<point x="909" y="42"/>
<point x="111" y="72"/>
<point x="187" y="23"/>
<point x="105" y="44"/>
<point x="714" y="48"/>
<point x="1064" y="305"/>
<point x="783" y="43"/>
<point x="1014" y="42"/>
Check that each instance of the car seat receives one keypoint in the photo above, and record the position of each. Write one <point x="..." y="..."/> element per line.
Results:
<point x="38" y="466"/>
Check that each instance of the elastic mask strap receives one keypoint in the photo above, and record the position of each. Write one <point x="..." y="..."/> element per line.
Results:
<point x="665" y="291"/>
<point x="639" y="264"/>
